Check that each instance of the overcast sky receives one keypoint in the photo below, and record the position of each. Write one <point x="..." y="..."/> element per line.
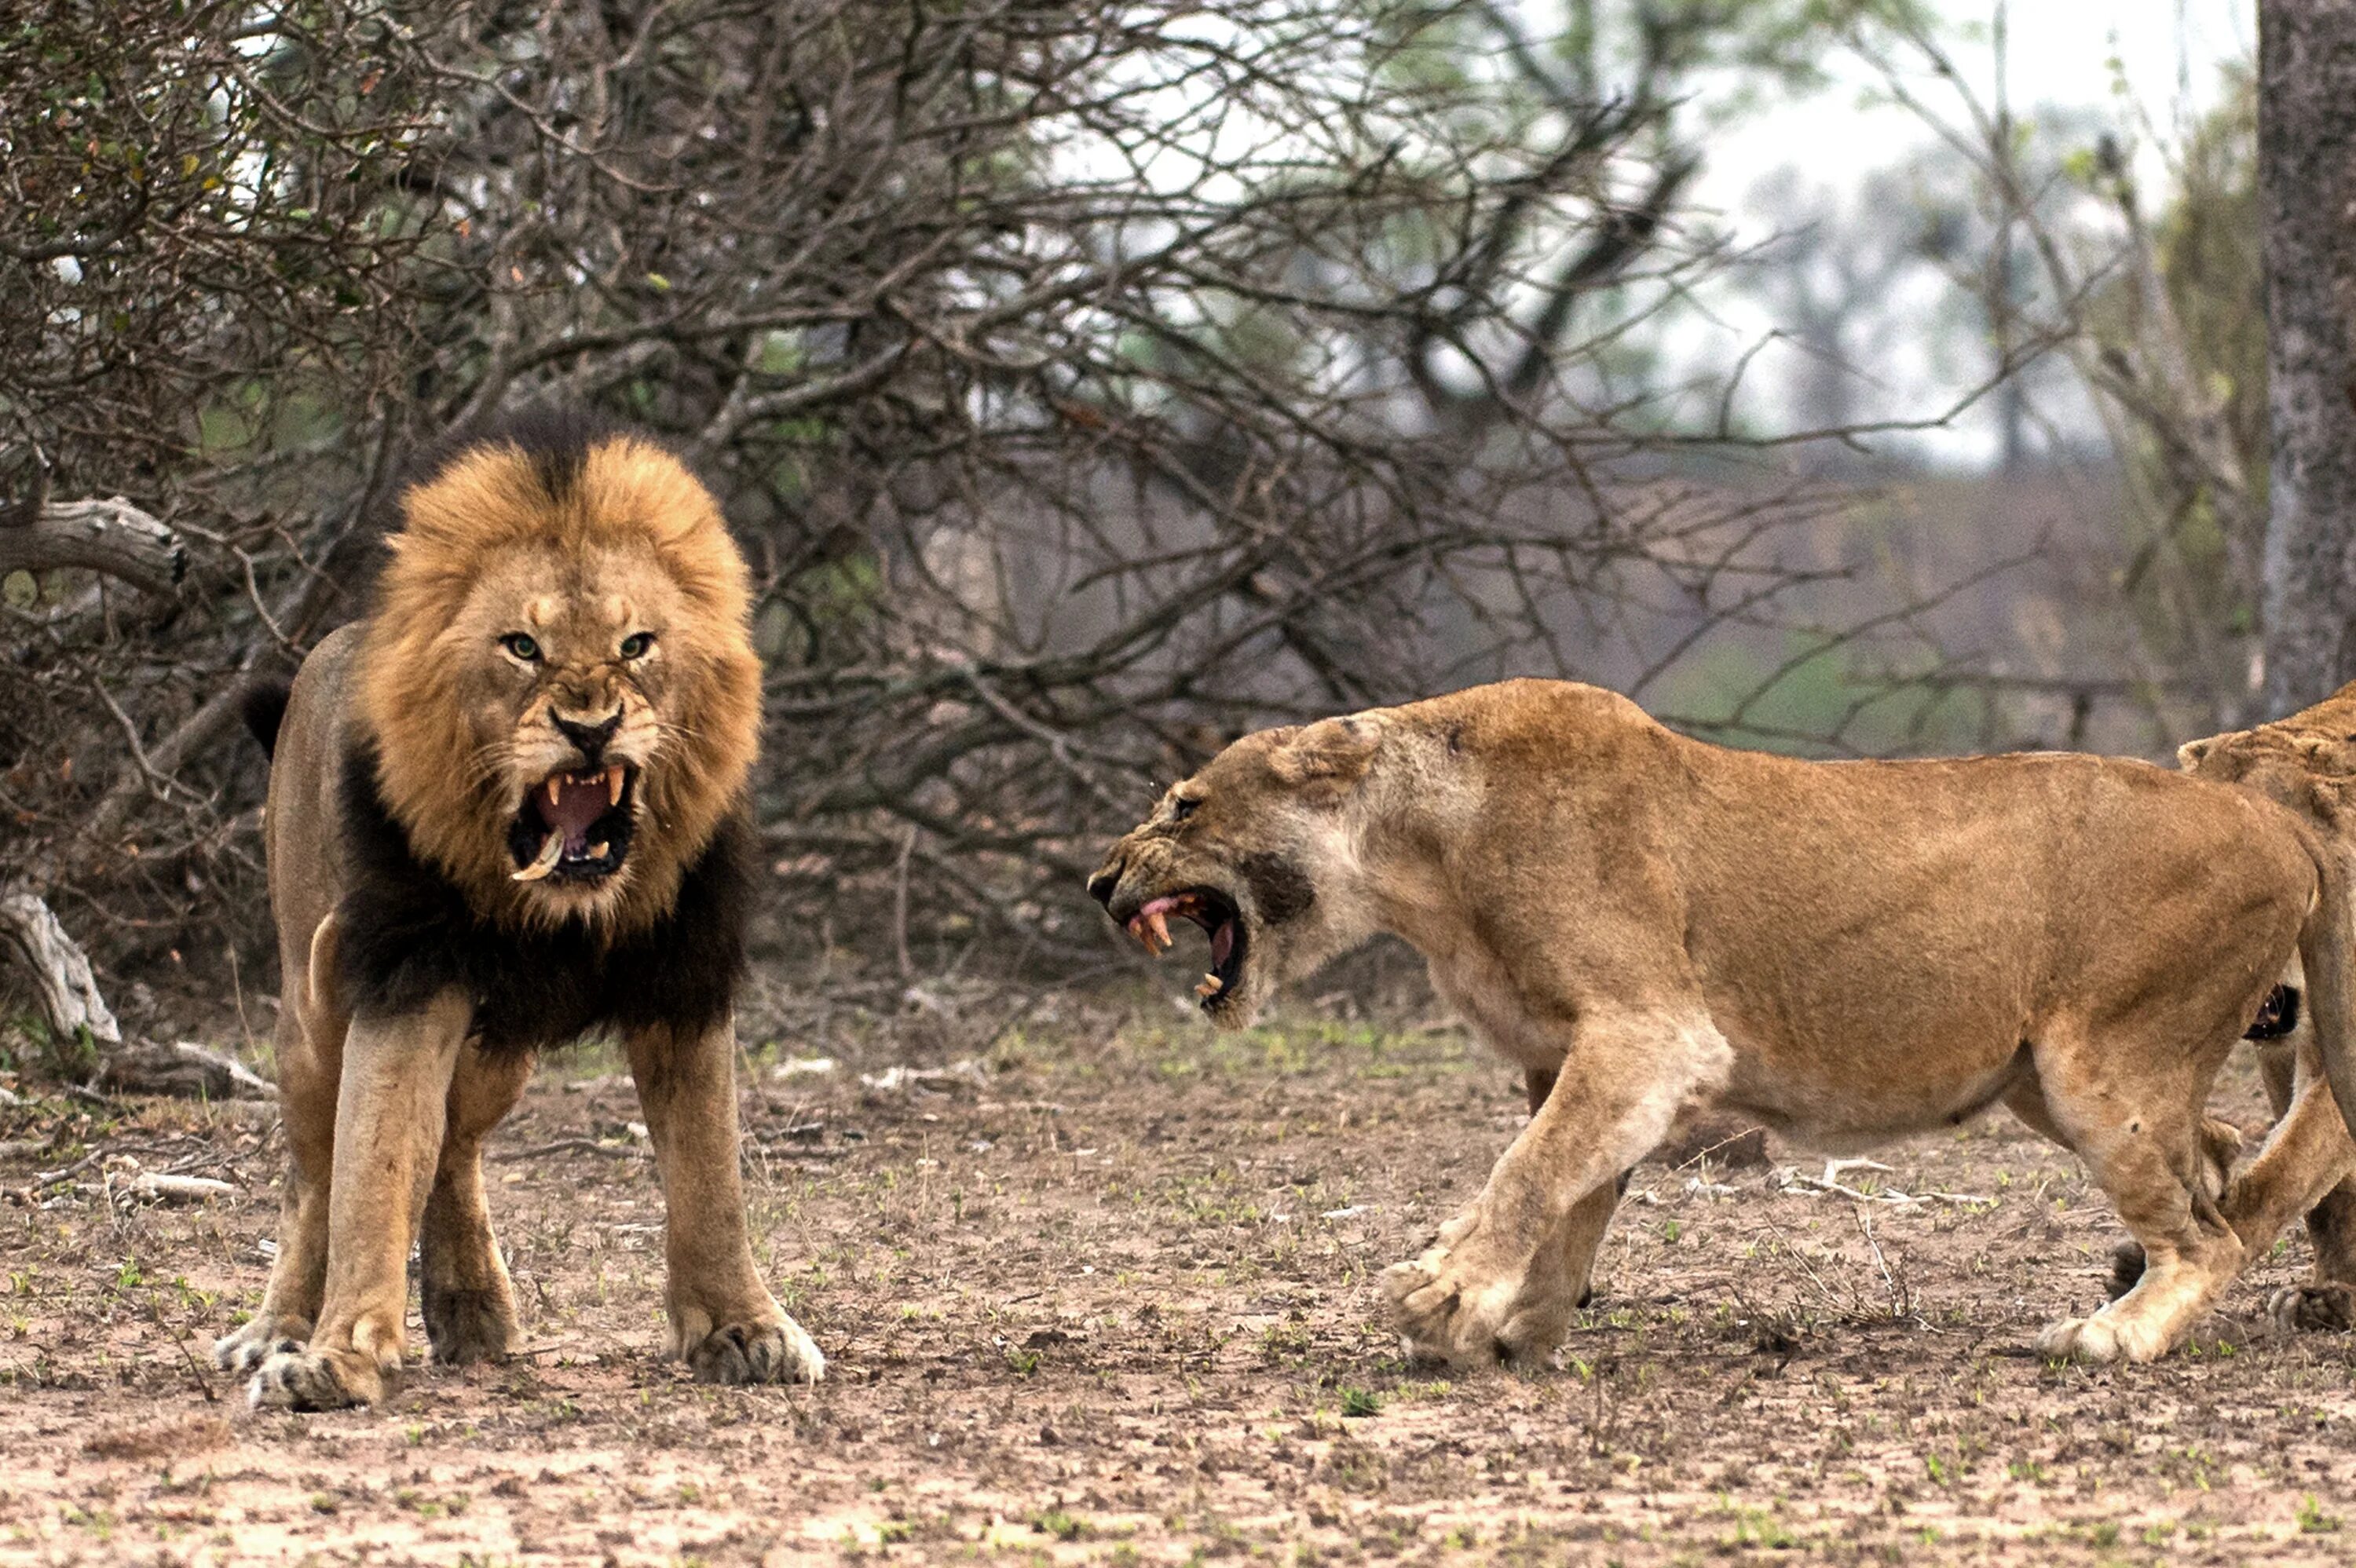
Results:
<point x="2168" y="54"/>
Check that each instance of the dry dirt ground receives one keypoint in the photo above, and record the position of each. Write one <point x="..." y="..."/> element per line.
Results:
<point x="1116" y="1302"/>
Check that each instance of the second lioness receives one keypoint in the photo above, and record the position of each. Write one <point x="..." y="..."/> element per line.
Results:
<point x="1846" y="951"/>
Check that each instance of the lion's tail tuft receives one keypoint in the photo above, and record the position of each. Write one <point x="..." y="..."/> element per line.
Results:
<point x="263" y="706"/>
<point x="2327" y="951"/>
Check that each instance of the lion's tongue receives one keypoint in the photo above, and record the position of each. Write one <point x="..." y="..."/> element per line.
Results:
<point x="578" y="804"/>
<point x="1223" y="943"/>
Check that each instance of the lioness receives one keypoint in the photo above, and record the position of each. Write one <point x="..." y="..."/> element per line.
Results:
<point x="1845" y="950"/>
<point x="2307" y="761"/>
<point x="505" y="809"/>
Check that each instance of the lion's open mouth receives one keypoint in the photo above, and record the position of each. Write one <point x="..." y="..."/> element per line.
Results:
<point x="1218" y="917"/>
<point x="575" y="826"/>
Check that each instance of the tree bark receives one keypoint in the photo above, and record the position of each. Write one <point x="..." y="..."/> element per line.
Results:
<point x="2306" y="177"/>
<point x="71" y="1001"/>
<point x="111" y="536"/>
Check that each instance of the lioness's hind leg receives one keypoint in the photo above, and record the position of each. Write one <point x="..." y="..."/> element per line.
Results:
<point x="2327" y="1298"/>
<point x="469" y="1302"/>
<point x="2144" y="1143"/>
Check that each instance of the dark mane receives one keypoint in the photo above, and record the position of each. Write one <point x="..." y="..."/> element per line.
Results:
<point x="407" y="935"/>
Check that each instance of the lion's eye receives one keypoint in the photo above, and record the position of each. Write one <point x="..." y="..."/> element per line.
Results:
<point x="1183" y="808"/>
<point x="521" y="644"/>
<point x="635" y="644"/>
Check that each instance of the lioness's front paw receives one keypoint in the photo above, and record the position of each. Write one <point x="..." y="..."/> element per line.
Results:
<point x="244" y="1348"/>
<point x="771" y="1352"/>
<point x="467" y="1325"/>
<point x="2099" y="1340"/>
<point x="2323" y="1305"/>
<point x="1449" y="1310"/>
<point x="319" y="1380"/>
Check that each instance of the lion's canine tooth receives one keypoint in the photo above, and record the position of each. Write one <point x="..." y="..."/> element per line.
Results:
<point x="555" y="787"/>
<point x="1211" y="986"/>
<point x="1159" y="924"/>
<point x="597" y="851"/>
<point x="614" y="786"/>
<point x="545" y="862"/>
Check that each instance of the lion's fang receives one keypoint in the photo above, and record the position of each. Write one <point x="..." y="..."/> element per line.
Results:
<point x="545" y="862"/>
<point x="1211" y="986"/>
<point x="554" y="787"/>
<point x="613" y="787"/>
<point x="597" y="851"/>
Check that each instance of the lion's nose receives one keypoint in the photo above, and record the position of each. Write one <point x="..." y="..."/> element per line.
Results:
<point x="1101" y="885"/>
<point x="591" y="738"/>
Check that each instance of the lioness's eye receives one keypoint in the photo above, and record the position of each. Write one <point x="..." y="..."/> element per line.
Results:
<point x="1183" y="808"/>
<point x="521" y="645"/>
<point x="635" y="644"/>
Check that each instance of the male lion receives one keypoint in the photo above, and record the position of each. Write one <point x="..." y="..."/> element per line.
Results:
<point x="505" y="809"/>
<point x="1845" y="950"/>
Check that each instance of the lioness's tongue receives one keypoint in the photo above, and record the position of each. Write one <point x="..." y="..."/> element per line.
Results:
<point x="1223" y="943"/>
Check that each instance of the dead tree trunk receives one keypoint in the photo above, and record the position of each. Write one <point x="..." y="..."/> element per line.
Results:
<point x="61" y="975"/>
<point x="2306" y="177"/>
<point x="112" y="536"/>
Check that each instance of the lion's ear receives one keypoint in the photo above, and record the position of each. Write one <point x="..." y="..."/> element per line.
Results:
<point x="2189" y="755"/>
<point x="1338" y="750"/>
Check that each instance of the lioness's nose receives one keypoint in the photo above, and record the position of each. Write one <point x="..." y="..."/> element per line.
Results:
<point x="1101" y="885"/>
<point x="591" y="738"/>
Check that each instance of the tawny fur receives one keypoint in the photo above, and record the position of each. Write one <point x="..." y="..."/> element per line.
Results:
<point x="1845" y="950"/>
<point x="386" y="1104"/>
<point x="2307" y="763"/>
<point x="635" y="537"/>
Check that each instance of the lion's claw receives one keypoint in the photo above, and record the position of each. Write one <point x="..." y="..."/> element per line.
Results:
<point x="301" y="1378"/>
<point x="246" y="1347"/>
<point x="779" y="1353"/>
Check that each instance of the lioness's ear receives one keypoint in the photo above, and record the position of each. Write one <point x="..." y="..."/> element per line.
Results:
<point x="1334" y="749"/>
<point x="2189" y="755"/>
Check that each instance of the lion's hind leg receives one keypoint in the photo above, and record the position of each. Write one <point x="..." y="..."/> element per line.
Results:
<point x="2143" y="1140"/>
<point x="310" y="1061"/>
<point x="469" y="1303"/>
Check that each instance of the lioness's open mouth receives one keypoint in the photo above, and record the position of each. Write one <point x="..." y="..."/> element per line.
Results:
<point x="573" y="826"/>
<point x="1218" y="917"/>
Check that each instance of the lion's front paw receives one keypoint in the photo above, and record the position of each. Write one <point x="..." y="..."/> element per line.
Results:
<point x="467" y="1326"/>
<point x="319" y="1380"/>
<point x="2323" y="1305"/>
<point x="760" y="1352"/>
<point x="2099" y="1340"/>
<point x="1451" y="1309"/>
<point x="246" y="1347"/>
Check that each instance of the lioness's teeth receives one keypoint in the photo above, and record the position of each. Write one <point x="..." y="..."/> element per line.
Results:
<point x="597" y="851"/>
<point x="554" y="788"/>
<point x="1211" y="986"/>
<point x="1159" y="924"/>
<point x="613" y="787"/>
<point x="545" y="862"/>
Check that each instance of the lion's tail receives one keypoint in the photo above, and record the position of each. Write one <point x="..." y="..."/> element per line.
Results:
<point x="2327" y="951"/>
<point x="263" y="707"/>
